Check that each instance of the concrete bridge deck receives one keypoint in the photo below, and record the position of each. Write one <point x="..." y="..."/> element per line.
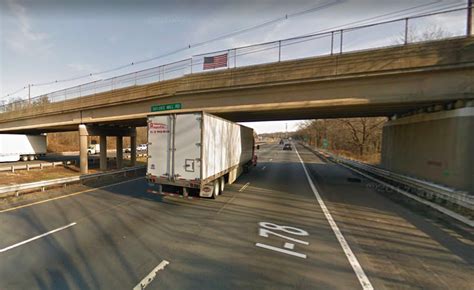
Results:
<point x="379" y="82"/>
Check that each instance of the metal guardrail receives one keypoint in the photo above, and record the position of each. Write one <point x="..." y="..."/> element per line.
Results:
<point x="398" y="32"/>
<point x="460" y="198"/>
<point x="61" y="181"/>
<point x="429" y="189"/>
<point x="28" y="166"/>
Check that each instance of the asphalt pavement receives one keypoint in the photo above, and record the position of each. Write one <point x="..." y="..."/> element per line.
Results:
<point x="269" y="230"/>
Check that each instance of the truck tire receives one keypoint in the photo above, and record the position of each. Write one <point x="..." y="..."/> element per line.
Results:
<point x="31" y="157"/>
<point x="215" y="191"/>
<point x="24" y="158"/>
<point x="222" y="184"/>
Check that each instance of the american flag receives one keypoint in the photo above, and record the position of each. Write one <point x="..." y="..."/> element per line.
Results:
<point x="216" y="61"/>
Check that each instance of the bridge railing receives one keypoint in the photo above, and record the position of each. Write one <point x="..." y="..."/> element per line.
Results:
<point x="397" y="32"/>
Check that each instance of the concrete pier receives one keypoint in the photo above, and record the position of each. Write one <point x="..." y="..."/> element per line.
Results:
<point x="133" y="150"/>
<point x="436" y="146"/>
<point x="119" y="152"/>
<point x="83" y="144"/>
<point x="103" y="153"/>
<point x="103" y="132"/>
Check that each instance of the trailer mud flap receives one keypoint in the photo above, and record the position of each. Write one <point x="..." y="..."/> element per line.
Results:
<point x="206" y="190"/>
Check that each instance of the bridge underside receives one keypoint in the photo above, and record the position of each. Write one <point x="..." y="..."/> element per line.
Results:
<point x="303" y="112"/>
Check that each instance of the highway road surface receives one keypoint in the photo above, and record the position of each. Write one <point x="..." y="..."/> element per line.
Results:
<point x="272" y="229"/>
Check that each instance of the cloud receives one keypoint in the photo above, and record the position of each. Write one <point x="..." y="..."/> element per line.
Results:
<point x="24" y="38"/>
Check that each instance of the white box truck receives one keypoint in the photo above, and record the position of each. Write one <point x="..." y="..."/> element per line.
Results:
<point x="93" y="149"/>
<point x="15" y="147"/>
<point x="197" y="151"/>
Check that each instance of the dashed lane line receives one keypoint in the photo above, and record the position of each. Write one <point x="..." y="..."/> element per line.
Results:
<point x="37" y="237"/>
<point x="244" y="187"/>
<point x="151" y="276"/>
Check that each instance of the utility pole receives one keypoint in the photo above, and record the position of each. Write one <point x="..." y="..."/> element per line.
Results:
<point x="469" y="18"/>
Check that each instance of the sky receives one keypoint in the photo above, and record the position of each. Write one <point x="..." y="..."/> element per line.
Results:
<point x="47" y="40"/>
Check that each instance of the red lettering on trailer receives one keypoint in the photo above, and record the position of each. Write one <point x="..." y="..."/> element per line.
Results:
<point x="155" y="128"/>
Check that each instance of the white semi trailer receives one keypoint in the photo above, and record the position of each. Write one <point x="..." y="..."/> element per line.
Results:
<point x="16" y="147"/>
<point x="197" y="151"/>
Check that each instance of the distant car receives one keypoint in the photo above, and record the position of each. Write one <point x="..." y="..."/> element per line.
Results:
<point x="142" y="147"/>
<point x="287" y="147"/>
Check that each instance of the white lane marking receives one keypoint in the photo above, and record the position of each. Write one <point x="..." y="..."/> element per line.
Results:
<point x="281" y="250"/>
<point x="37" y="237"/>
<point x="150" y="277"/>
<point x="364" y="281"/>
<point x="244" y="187"/>
<point x="289" y="246"/>
<point x="68" y="195"/>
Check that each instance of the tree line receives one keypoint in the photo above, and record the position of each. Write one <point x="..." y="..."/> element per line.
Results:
<point x="354" y="137"/>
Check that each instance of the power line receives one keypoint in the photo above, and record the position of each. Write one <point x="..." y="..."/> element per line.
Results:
<point x="194" y="45"/>
<point x="391" y="14"/>
<point x="437" y="5"/>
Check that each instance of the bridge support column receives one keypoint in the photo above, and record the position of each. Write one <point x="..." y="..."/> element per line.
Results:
<point x="434" y="146"/>
<point x="103" y="152"/>
<point x="470" y="18"/>
<point x="119" y="153"/>
<point x="83" y="144"/>
<point x="133" y="149"/>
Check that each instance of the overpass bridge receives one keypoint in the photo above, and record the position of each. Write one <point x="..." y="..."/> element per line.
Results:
<point x="397" y="82"/>
<point x="383" y="82"/>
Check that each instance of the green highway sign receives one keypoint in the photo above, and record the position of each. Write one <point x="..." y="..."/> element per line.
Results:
<point x="166" y="107"/>
<point x="325" y="143"/>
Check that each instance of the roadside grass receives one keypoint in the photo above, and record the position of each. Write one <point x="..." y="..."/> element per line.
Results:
<point x="33" y="175"/>
<point x="373" y="158"/>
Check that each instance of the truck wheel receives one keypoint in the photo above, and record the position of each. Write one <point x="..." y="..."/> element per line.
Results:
<point x="222" y="184"/>
<point x="31" y="157"/>
<point x="215" y="192"/>
<point x="24" y="158"/>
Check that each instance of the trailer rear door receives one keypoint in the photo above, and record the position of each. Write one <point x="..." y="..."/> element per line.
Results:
<point x="160" y="146"/>
<point x="187" y="144"/>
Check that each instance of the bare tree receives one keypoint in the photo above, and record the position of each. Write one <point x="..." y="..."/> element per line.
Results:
<point x="358" y="136"/>
<point x="363" y="131"/>
<point x="415" y="34"/>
